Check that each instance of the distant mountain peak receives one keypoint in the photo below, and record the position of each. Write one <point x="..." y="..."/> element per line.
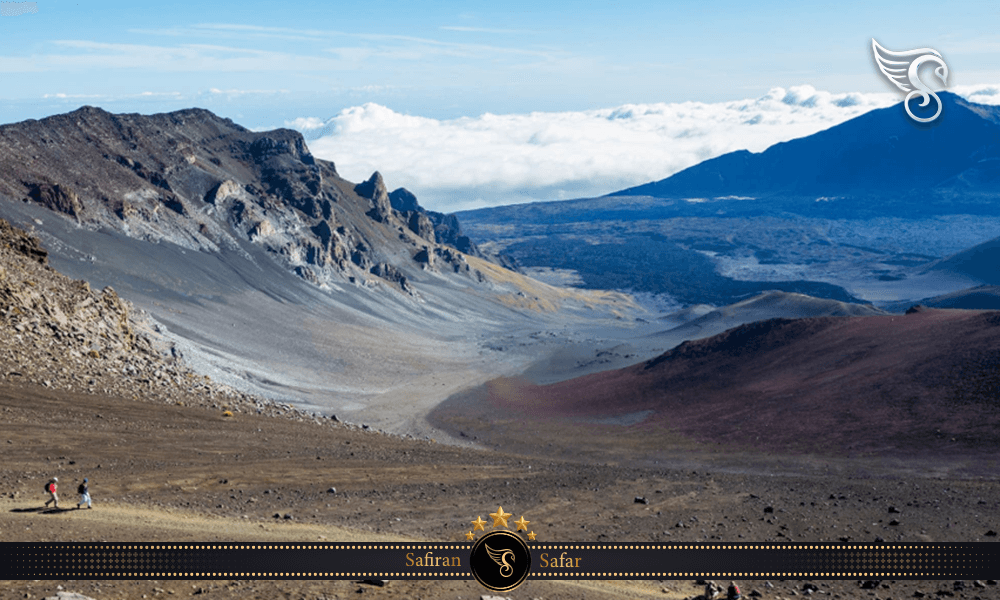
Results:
<point x="882" y="153"/>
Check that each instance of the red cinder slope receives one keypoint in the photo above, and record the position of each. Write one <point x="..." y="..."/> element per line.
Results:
<point x="930" y="379"/>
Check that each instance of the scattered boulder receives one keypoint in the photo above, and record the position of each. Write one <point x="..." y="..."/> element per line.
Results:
<point x="391" y="274"/>
<point x="224" y="191"/>
<point x="712" y="590"/>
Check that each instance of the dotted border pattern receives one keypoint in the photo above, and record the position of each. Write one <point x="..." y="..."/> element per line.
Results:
<point x="128" y="554"/>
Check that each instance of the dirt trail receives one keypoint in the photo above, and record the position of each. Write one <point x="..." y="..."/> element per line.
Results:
<point x="113" y="521"/>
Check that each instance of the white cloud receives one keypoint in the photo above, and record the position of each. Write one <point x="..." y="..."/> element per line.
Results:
<point x="86" y="54"/>
<point x="237" y="92"/>
<point x="65" y="96"/>
<point x="305" y="124"/>
<point x="501" y="159"/>
<point x="981" y="94"/>
<point x="464" y="29"/>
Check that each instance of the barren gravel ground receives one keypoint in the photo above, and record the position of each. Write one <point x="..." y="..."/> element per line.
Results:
<point x="163" y="472"/>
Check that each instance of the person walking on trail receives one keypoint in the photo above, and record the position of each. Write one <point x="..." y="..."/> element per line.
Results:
<point x="733" y="593"/>
<point x="84" y="491"/>
<point x="51" y="488"/>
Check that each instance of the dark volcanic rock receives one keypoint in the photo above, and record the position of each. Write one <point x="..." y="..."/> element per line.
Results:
<point x="420" y="224"/>
<point x="374" y="190"/>
<point x="403" y="200"/>
<point x="55" y="197"/>
<point x="442" y="228"/>
<point x="391" y="274"/>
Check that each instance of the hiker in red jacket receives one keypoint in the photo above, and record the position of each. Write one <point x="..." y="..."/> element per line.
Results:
<point x="51" y="487"/>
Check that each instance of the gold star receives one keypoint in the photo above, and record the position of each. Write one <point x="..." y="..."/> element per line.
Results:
<point x="531" y="536"/>
<point x="469" y="536"/>
<point x="500" y="517"/>
<point x="477" y="525"/>
<point x="522" y="524"/>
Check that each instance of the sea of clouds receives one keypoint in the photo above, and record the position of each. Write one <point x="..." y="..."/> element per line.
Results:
<point x="472" y="162"/>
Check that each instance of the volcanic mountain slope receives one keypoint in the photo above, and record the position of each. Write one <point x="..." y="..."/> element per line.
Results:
<point x="672" y="329"/>
<point x="267" y="270"/>
<point x="769" y="305"/>
<point x="979" y="262"/>
<point x="983" y="297"/>
<point x="977" y="265"/>
<point x="203" y="182"/>
<point x="879" y="154"/>
<point x="924" y="383"/>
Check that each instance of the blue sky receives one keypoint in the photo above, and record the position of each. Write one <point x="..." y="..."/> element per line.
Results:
<point x="267" y="64"/>
<point x="448" y="59"/>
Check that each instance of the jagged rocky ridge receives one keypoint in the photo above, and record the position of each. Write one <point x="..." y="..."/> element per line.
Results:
<point x="201" y="182"/>
<point x="444" y="228"/>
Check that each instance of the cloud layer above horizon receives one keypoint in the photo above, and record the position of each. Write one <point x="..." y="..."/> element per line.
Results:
<point x="473" y="162"/>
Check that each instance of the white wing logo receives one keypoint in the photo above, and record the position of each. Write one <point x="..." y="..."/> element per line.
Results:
<point x="901" y="68"/>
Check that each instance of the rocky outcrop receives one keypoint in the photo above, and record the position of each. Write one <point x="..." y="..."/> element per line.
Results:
<point x="226" y="190"/>
<point x="403" y="200"/>
<point x="374" y="190"/>
<point x="17" y="242"/>
<point x="55" y="197"/>
<point x="420" y="224"/>
<point x="440" y="228"/>
<point x="392" y="275"/>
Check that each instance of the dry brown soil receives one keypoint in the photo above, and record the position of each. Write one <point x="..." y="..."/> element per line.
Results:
<point x="161" y="472"/>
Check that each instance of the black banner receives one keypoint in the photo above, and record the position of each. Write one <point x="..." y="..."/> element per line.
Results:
<point x="973" y="560"/>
